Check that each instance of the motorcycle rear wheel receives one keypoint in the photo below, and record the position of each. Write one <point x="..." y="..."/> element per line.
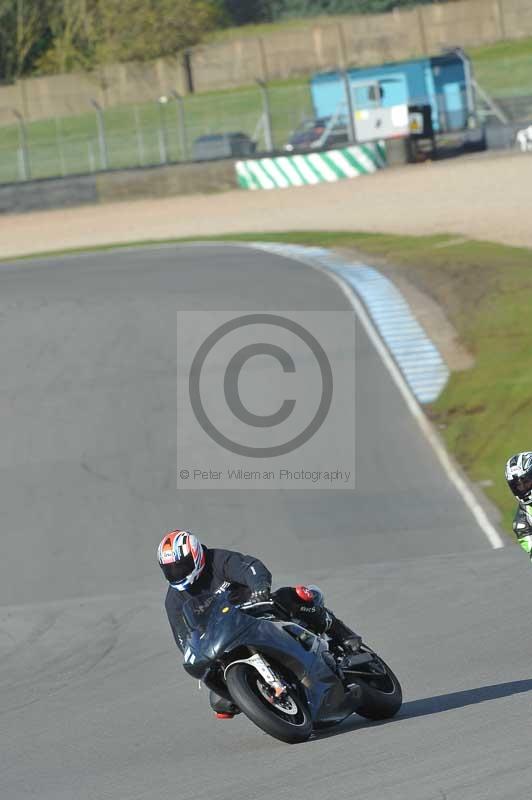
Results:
<point x="285" y="719"/>
<point x="382" y="695"/>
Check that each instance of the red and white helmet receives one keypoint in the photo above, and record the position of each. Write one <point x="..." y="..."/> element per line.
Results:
<point x="182" y="558"/>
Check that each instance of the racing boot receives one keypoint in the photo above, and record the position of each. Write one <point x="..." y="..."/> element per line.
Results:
<point x="344" y="638"/>
<point x="223" y="709"/>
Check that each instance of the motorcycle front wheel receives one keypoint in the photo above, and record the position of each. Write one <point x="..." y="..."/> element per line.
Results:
<point x="286" y="718"/>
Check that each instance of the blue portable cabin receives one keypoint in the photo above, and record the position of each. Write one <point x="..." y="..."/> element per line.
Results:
<point x="443" y="81"/>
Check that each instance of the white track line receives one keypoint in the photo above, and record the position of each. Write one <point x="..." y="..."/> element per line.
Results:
<point x="413" y="406"/>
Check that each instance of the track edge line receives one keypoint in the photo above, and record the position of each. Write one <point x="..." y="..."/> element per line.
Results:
<point x="481" y="518"/>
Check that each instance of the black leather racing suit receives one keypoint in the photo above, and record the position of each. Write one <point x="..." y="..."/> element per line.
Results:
<point x="522" y="526"/>
<point x="240" y="575"/>
<point x="225" y="570"/>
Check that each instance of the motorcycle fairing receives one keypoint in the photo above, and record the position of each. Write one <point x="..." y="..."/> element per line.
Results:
<point x="221" y="629"/>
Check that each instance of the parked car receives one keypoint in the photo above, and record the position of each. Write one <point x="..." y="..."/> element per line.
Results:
<point x="223" y="145"/>
<point x="315" y="133"/>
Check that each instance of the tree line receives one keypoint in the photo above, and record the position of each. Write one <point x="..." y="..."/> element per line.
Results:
<point x="242" y="12"/>
<point x="50" y="36"/>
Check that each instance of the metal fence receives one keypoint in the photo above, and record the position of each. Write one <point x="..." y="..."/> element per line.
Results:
<point x="161" y="132"/>
<point x="166" y="130"/>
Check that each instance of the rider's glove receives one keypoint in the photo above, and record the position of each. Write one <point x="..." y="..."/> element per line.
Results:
<point x="260" y="595"/>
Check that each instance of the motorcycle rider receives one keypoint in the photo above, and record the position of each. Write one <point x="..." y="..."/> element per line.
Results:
<point x="196" y="571"/>
<point x="518" y="473"/>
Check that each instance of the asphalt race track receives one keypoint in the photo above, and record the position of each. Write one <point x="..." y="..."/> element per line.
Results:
<point x="94" y="704"/>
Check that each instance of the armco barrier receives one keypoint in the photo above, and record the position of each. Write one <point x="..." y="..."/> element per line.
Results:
<point x="200" y="178"/>
<point x="16" y="198"/>
<point x="312" y="168"/>
<point x="166" y="181"/>
<point x="109" y="187"/>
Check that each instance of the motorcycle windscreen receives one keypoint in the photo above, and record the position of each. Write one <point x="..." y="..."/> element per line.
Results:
<point x="214" y="623"/>
<point x="197" y="611"/>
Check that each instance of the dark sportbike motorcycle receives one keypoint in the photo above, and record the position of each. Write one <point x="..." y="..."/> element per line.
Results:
<point x="283" y="677"/>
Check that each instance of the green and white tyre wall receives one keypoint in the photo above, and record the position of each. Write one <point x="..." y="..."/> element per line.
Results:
<point x="312" y="168"/>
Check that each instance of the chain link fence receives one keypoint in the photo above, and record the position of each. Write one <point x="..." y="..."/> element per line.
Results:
<point x="169" y="129"/>
<point x="161" y="132"/>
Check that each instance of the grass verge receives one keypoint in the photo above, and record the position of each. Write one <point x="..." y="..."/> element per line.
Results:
<point x="504" y="68"/>
<point x="485" y="413"/>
